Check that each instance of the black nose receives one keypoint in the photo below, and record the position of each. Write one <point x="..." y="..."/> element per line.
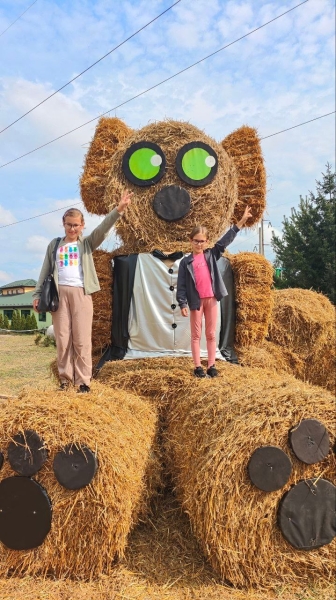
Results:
<point x="25" y="513"/>
<point x="171" y="203"/>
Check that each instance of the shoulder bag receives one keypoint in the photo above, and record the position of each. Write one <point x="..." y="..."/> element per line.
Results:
<point x="49" y="296"/>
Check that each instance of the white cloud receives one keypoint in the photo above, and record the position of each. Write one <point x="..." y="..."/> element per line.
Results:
<point x="37" y="245"/>
<point x="5" y="277"/>
<point x="6" y="216"/>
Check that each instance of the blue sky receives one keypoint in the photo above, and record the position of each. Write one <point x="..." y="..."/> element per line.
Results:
<point x="278" y="77"/>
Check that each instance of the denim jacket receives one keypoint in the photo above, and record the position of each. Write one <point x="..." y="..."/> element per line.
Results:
<point x="187" y="294"/>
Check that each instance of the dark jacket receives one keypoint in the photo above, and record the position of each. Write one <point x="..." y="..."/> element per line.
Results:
<point x="187" y="294"/>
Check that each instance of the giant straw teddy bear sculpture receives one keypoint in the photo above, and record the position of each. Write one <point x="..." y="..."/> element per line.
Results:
<point x="231" y="444"/>
<point x="250" y="453"/>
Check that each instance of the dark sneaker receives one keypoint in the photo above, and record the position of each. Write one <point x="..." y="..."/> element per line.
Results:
<point x="212" y="371"/>
<point x="198" y="372"/>
<point x="83" y="389"/>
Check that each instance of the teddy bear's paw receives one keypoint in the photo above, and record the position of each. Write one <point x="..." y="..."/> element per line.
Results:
<point x="25" y="507"/>
<point x="306" y="513"/>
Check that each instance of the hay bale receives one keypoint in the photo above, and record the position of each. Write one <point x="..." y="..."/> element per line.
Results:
<point x="270" y="356"/>
<point x="102" y="302"/>
<point x="213" y="430"/>
<point x="108" y="135"/>
<point x="243" y="146"/>
<point x="253" y="278"/>
<point x="303" y="322"/>
<point x="90" y="525"/>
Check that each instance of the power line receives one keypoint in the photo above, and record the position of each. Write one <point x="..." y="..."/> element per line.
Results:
<point x="9" y="26"/>
<point x="299" y="125"/>
<point x="154" y="86"/>
<point x="41" y="215"/>
<point x="90" y="67"/>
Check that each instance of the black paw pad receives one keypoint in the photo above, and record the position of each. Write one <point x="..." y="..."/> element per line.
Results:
<point x="269" y="468"/>
<point x="309" y="441"/>
<point x="27" y="453"/>
<point x="75" y="467"/>
<point x="25" y="513"/>
<point x="306" y="514"/>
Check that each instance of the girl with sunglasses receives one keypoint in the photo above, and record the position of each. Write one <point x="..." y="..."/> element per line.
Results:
<point x="76" y="279"/>
<point x="200" y="286"/>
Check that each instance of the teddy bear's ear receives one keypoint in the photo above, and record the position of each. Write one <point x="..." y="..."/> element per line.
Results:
<point x="110" y="132"/>
<point x="243" y="146"/>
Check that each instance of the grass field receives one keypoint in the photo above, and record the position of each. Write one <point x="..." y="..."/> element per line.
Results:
<point x="163" y="560"/>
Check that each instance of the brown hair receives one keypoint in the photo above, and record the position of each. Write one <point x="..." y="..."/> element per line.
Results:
<point x="73" y="212"/>
<point x="199" y="229"/>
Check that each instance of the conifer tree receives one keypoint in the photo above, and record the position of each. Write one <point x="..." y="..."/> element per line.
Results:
<point x="306" y="252"/>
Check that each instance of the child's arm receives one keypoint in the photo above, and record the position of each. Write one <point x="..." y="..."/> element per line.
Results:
<point x="181" y="292"/>
<point x="230" y="235"/>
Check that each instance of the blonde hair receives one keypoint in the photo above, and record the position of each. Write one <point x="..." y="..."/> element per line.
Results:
<point x="73" y="212"/>
<point x="199" y="229"/>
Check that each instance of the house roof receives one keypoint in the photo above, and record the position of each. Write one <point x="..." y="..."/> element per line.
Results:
<point x="19" y="283"/>
<point x="17" y="300"/>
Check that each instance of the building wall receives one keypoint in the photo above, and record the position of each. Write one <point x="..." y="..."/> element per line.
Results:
<point x="43" y="319"/>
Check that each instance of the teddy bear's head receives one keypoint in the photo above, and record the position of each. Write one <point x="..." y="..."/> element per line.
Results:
<point x="179" y="176"/>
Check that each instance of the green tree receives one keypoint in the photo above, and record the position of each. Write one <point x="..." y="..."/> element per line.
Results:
<point x="1" y="321"/>
<point x="306" y="252"/>
<point x="31" y="322"/>
<point x="6" y="322"/>
<point x="23" y="323"/>
<point x="16" y="321"/>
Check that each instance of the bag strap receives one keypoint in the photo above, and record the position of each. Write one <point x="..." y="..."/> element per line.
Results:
<point x="54" y="255"/>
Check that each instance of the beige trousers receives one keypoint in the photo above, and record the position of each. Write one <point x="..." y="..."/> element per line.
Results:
<point x="73" y="328"/>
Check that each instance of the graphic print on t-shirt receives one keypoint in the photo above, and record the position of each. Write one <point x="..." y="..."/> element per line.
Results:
<point x="68" y="256"/>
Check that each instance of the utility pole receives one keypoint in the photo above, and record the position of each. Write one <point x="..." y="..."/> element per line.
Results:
<point x="261" y="236"/>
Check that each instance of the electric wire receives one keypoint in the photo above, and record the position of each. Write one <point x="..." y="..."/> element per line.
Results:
<point x="9" y="26"/>
<point x="287" y="129"/>
<point x="41" y="215"/>
<point x="154" y="86"/>
<point x="90" y="67"/>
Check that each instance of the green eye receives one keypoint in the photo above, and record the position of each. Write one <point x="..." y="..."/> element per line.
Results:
<point x="196" y="163"/>
<point x="144" y="163"/>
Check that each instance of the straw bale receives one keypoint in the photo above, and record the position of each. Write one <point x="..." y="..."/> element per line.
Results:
<point x="89" y="526"/>
<point x="267" y="355"/>
<point x="110" y="132"/>
<point x="243" y="145"/>
<point x="212" y="433"/>
<point x="102" y="302"/>
<point x="253" y="277"/>
<point x="303" y="322"/>
<point x="141" y="228"/>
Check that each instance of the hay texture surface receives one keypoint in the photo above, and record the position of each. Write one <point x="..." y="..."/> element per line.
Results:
<point x="211" y="436"/>
<point x="110" y="132"/>
<point x="244" y="147"/>
<point x="303" y="322"/>
<point x="253" y="278"/>
<point x="89" y="526"/>
<point x="213" y="427"/>
<point x="211" y="205"/>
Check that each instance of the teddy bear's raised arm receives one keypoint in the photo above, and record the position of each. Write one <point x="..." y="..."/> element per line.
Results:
<point x="243" y="145"/>
<point x="110" y="132"/>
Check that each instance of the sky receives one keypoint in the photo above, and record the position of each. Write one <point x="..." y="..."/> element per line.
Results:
<point x="274" y="79"/>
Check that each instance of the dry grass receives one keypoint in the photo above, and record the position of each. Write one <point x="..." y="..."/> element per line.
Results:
<point x="22" y="363"/>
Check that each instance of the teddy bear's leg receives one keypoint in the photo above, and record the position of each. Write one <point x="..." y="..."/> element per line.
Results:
<point x="212" y="433"/>
<point x="82" y="466"/>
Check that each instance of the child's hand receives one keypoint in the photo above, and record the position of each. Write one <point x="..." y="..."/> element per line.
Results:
<point x="125" y="201"/>
<point x="247" y="214"/>
<point x="184" y="312"/>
